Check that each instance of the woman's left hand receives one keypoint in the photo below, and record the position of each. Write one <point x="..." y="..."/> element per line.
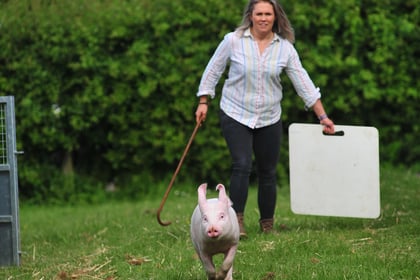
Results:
<point x="328" y="126"/>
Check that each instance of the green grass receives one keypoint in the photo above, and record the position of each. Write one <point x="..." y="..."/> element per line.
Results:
<point x="122" y="240"/>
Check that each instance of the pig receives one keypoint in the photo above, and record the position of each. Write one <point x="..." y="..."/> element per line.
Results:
<point x="215" y="230"/>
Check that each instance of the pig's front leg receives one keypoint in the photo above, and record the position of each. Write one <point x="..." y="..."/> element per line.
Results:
<point x="209" y="267"/>
<point x="225" y="272"/>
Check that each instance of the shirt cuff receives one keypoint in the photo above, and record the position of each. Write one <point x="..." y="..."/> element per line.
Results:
<point x="206" y="92"/>
<point x="311" y="102"/>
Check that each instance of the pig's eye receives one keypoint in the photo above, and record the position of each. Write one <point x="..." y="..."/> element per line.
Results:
<point x="222" y="216"/>
<point x="205" y="219"/>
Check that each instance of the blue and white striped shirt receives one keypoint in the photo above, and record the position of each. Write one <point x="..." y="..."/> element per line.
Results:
<point x="252" y="92"/>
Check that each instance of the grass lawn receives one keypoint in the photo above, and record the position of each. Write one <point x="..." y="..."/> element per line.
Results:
<point x="122" y="240"/>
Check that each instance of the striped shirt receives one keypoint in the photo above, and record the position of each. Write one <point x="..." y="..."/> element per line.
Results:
<point x="252" y="91"/>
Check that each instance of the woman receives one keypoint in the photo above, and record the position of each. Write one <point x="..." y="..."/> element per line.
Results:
<point x="250" y="116"/>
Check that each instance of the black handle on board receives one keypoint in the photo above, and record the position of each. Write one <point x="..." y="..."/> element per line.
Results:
<point x="337" y="133"/>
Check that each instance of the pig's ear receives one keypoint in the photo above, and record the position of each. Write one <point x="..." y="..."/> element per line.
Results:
<point x="202" y="189"/>
<point x="222" y="194"/>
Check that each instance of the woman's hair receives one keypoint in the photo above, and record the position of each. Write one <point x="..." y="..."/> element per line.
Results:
<point x="281" y="25"/>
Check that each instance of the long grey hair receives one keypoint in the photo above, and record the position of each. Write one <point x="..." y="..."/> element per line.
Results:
<point x="281" y="25"/>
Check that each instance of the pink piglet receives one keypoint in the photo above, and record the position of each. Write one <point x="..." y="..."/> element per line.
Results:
<point x="215" y="230"/>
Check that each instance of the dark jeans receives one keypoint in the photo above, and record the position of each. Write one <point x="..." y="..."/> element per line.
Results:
<point x="242" y="142"/>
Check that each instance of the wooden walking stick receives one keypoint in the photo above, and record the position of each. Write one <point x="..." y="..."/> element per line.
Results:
<point x="165" y="196"/>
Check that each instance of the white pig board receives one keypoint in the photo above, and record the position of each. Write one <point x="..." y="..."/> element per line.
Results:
<point x="334" y="175"/>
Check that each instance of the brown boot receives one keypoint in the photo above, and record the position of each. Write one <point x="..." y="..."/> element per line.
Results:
<point x="242" y="232"/>
<point x="266" y="225"/>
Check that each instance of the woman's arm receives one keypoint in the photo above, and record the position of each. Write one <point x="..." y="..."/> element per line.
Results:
<point x="323" y="117"/>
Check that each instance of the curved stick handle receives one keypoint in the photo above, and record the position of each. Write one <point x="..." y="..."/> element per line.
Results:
<point x="165" y="196"/>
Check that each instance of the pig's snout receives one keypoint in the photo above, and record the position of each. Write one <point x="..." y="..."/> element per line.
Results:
<point x="213" y="232"/>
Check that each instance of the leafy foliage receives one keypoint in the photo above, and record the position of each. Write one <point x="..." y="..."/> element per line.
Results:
<point x="106" y="89"/>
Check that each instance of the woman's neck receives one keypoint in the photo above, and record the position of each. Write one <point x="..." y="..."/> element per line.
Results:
<point x="266" y="36"/>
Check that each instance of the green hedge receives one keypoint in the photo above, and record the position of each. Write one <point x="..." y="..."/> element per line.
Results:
<point x="105" y="89"/>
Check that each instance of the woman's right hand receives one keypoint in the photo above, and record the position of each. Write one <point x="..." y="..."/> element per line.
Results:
<point x="201" y="112"/>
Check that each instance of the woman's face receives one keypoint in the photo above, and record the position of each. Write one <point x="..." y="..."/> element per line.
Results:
<point x="263" y="17"/>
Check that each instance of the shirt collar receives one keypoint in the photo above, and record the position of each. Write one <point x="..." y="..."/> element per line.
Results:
<point x="247" y="33"/>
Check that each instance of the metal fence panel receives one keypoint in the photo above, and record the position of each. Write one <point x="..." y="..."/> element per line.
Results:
<point x="9" y="200"/>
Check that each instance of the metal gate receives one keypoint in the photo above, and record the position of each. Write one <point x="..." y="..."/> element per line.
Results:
<point x="9" y="201"/>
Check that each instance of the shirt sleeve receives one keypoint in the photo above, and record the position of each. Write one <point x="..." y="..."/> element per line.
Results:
<point x="301" y="81"/>
<point x="215" y="68"/>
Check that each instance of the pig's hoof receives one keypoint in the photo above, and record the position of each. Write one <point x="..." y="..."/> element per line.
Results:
<point x="221" y="275"/>
<point x="212" y="276"/>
